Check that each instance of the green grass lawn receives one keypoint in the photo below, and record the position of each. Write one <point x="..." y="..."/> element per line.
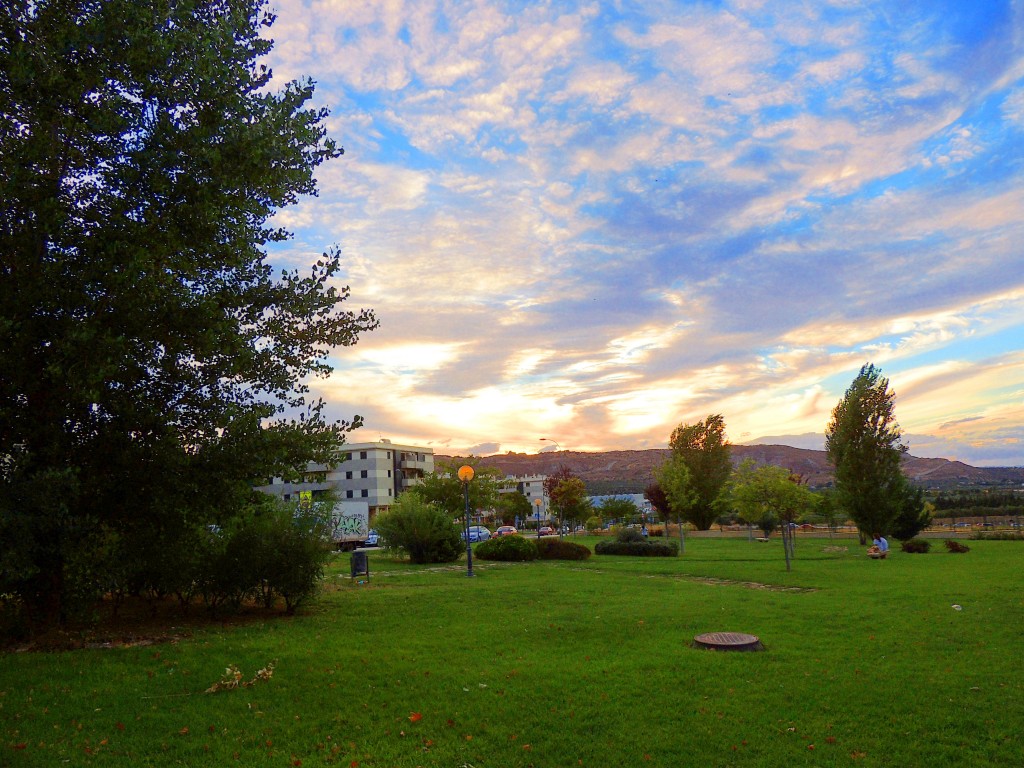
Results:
<point x="568" y="664"/>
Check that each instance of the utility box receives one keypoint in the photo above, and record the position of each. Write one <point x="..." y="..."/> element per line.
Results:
<point x="360" y="563"/>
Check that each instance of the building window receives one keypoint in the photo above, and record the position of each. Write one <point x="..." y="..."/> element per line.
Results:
<point x="364" y="473"/>
<point x="348" y="475"/>
<point x="348" y="494"/>
<point x="389" y="454"/>
<point x="362" y="454"/>
<point x="364" y="493"/>
<point x="287" y="497"/>
<point x="389" y="473"/>
<point x="389" y="491"/>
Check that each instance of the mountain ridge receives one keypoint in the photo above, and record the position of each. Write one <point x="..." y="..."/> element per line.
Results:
<point x="635" y="468"/>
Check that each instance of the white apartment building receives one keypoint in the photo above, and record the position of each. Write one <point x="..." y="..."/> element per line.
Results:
<point x="372" y="472"/>
<point x="532" y="487"/>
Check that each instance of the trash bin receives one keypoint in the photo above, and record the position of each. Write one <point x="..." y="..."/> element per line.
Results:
<point x="360" y="563"/>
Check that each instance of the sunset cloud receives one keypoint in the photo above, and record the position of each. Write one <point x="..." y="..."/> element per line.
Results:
<point x="592" y="222"/>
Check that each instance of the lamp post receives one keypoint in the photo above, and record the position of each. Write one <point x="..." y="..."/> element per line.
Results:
<point x="537" y="503"/>
<point x="549" y="440"/>
<point x="465" y="475"/>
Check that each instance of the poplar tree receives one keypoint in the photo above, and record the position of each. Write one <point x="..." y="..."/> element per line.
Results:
<point x="864" y="443"/>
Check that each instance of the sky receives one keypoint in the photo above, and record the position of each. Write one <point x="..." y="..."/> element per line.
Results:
<point x="590" y="222"/>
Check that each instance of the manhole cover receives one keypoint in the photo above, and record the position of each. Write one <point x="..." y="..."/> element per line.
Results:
<point x="728" y="641"/>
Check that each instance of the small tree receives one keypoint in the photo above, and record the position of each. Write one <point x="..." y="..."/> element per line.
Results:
<point x="676" y="482"/>
<point x="512" y="506"/>
<point x="570" y="501"/>
<point x="620" y="509"/>
<point x="913" y="516"/>
<point x="421" y="530"/>
<point x="764" y="495"/>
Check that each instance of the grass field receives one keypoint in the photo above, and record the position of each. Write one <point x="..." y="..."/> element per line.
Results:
<point x="567" y="664"/>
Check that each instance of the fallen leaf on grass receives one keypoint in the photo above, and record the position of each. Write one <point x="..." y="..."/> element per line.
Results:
<point x="415" y="717"/>
<point x="22" y="745"/>
<point x="858" y="755"/>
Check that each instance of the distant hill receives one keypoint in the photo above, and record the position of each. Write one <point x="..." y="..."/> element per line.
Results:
<point x="631" y="471"/>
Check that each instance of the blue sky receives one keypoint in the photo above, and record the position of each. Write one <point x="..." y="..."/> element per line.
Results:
<point x="592" y="221"/>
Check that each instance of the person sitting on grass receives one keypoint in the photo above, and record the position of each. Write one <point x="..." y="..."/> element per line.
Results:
<point x="879" y="548"/>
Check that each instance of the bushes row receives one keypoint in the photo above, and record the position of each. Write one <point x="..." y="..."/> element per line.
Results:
<point x="264" y="554"/>
<point x="667" y="548"/>
<point x="923" y="545"/>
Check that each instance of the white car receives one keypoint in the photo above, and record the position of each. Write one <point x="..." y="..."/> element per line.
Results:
<point x="477" y="533"/>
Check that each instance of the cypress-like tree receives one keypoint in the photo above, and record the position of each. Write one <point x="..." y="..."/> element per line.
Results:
<point x="863" y="442"/>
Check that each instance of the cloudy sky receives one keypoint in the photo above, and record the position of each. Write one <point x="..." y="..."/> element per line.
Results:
<point x="592" y="221"/>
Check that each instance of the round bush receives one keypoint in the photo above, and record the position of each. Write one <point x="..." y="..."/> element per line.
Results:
<point x="507" y="549"/>
<point x="419" y="529"/>
<point x="557" y="549"/>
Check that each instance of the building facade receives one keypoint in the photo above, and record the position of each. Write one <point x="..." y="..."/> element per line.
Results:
<point x="372" y="472"/>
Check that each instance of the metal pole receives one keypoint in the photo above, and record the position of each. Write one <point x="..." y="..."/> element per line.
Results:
<point x="469" y="547"/>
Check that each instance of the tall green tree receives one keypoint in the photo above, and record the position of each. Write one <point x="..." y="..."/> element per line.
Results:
<point x="149" y="352"/>
<point x="863" y="442"/>
<point x="705" y="451"/>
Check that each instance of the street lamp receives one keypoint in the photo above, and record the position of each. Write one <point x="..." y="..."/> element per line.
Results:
<point x="549" y="440"/>
<point x="537" y="503"/>
<point x="465" y="475"/>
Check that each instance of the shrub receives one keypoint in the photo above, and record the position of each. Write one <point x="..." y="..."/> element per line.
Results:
<point x="956" y="546"/>
<point x="916" y="545"/>
<point x="668" y="548"/>
<point x="594" y="523"/>
<point x="419" y="529"/>
<point x="626" y="535"/>
<point x="507" y="549"/>
<point x="557" y="549"/>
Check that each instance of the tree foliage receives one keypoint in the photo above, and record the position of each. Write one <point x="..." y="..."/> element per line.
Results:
<point x="704" y="449"/>
<point x="423" y="531"/>
<point x="570" y="502"/>
<point x="863" y="442"/>
<point x="619" y="509"/>
<point x="913" y="516"/>
<point x="443" y="487"/>
<point x="767" y="496"/>
<point x="149" y="351"/>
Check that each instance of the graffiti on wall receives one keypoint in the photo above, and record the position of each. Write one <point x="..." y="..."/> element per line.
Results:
<point x="350" y="525"/>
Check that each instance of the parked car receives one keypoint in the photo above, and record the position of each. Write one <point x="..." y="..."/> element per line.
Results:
<point x="372" y="539"/>
<point x="477" y="533"/>
<point x="506" y="530"/>
<point x="547" y="530"/>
